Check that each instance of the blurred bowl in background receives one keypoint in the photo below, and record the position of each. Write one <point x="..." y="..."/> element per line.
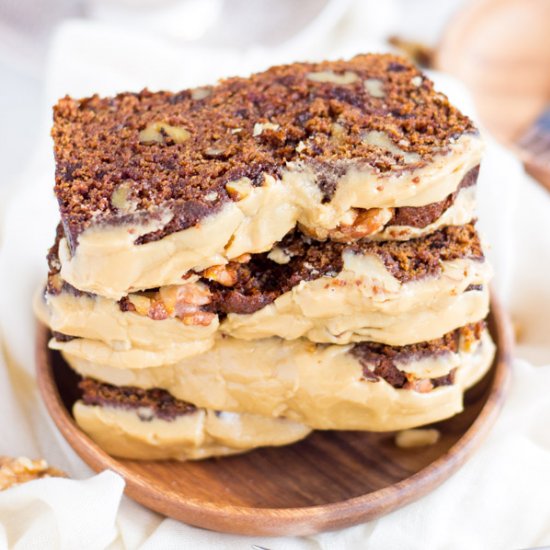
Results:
<point x="501" y="50"/>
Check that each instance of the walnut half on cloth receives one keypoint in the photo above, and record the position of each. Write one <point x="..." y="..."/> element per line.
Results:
<point x="14" y="471"/>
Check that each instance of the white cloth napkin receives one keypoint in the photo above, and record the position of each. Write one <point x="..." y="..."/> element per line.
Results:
<point x="499" y="499"/>
<point x="41" y="514"/>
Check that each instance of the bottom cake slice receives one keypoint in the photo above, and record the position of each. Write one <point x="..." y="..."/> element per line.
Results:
<point x="151" y="424"/>
<point x="365" y="386"/>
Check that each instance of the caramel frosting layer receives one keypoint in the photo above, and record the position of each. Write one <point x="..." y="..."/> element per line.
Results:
<point x="197" y="435"/>
<point x="323" y="387"/>
<point x="123" y="349"/>
<point x="325" y="312"/>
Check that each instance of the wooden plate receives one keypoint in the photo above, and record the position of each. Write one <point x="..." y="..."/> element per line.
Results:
<point x="328" y="481"/>
<point x="501" y="50"/>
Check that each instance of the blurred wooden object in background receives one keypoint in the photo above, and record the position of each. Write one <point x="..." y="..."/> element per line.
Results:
<point x="417" y="52"/>
<point x="501" y="50"/>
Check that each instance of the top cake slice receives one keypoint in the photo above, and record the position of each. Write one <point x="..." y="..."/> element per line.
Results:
<point x="151" y="185"/>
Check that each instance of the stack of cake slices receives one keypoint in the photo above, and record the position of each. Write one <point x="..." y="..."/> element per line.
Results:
<point x="241" y="264"/>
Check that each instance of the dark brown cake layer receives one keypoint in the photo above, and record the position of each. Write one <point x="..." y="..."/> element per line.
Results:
<point x="156" y="402"/>
<point x="379" y="360"/>
<point x="179" y="150"/>
<point x="422" y="216"/>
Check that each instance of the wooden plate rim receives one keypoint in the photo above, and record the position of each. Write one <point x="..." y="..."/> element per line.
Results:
<point x="301" y="520"/>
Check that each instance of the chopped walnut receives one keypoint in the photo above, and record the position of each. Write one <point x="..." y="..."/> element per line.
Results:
<point x="348" y="77"/>
<point x="337" y="132"/>
<point x="120" y="198"/>
<point x="226" y="275"/>
<point x="157" y="131"/>
<point x="201" y="318"/>
<point x="366" y="222"/>
<point x="214" y="152"/>
<point x="407" y="439"/>
<point x="14" y="471"/>
<point x="141" y="303"/>
<point x="259" y="127"/>
<point x="384" y="142"/>
<point x="189" y="298"/>
<point x="158" y="311"/>
<point x="239" y="189"/>
<point x="181" y="301"/>
<point x="375" y="87"/>
<point x="169" y="296"/>
<point x="196" y="294"/>
<point x="242" y="259"/>
<point x="184" y="301"/>
<point x="278" y="255"/>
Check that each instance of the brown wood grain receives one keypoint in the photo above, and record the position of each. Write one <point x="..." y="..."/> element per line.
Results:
<point x="501" y="50"/>
<point x="328" y="481"/>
